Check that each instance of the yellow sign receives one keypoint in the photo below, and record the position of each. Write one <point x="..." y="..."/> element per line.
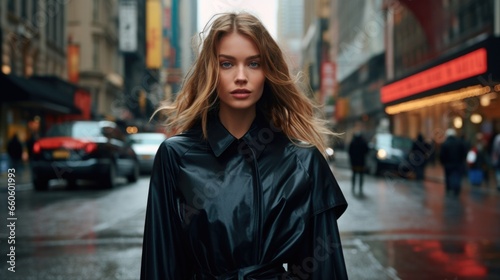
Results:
<point x="153" y="34"/>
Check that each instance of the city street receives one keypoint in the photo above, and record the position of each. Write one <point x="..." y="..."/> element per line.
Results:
<point x="397" y="229"/>
<point x="88" y="90"/>
<point x="409" y="230"/>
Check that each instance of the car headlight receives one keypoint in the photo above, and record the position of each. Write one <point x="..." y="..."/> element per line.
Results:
<point x="382" y="154"/>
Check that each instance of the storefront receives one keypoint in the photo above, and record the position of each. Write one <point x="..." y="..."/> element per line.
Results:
<point x="460" y="90"/>
<point x="30" y="105"/>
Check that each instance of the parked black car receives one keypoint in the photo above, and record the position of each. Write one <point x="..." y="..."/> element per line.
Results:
<point x="388" y="152"/>
<point x="89" y="150"/>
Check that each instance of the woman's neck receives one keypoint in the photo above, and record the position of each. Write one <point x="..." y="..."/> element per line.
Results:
<point x="237" y="122"/>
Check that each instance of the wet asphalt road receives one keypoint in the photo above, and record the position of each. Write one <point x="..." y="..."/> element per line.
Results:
<point x="86" y="233"/>
<point x="397" y="230"/>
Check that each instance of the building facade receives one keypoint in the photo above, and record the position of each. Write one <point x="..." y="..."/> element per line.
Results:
<point x="358" y="51"/>
<point x="92" y="26"/>
<point x="291" y="31"/>
<point x="188" y="34"/>
<point x="315" y="46"/>
<point x="33" y="68"/>
<point x="442" y="68"/>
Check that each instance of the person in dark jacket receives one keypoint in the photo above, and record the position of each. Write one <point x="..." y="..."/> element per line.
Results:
<point x="453" y="158"/>
<point x="243" y="186"/>
<point x="358" y="148"/>
<point x="15" y="151"/>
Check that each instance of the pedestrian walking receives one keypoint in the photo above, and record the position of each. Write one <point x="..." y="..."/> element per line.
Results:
<point x="453" y="155"/>
<point x="495" y="159"/>
<point x="242" y="187"/>
<point x="358" y="148"/>
<point x="419" y="155"/>
<point x="15" y="151"/>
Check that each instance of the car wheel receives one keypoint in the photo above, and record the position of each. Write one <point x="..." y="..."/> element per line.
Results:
<point x="108" y="181"/>
<point x="41" y="184"/>
<point x="134" y="176"/>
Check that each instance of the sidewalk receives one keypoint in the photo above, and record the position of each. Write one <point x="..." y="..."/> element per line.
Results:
<point x="22" y="176"/>
<point x="433" y="172"/>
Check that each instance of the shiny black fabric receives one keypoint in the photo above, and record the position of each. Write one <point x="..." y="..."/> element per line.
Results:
<point x="227" y="208"/>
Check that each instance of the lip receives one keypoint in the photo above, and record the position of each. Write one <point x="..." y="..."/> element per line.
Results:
<point x="241" y="91"/>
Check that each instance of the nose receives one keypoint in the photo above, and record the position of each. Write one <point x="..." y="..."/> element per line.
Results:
<point x="241" y="75"/>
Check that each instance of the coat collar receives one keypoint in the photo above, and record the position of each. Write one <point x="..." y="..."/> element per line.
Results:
<point x="257" y="137"/>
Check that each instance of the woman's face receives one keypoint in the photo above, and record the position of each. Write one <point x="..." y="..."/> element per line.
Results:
<point x="241" y="77"/>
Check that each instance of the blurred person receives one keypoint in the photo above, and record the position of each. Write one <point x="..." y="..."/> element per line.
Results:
<point x="358" y="149"/>
<point x="242" y="187"/>
<point x="495" y="159"/>
<point x="15" y="151"/>
<point x="419" y="154"/>
<point x="477" y="161"/>
<point x="30" y="143"/>
<point x="453" y="157"/>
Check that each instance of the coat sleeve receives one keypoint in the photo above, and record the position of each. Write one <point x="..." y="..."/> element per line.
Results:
<point x="321" y="257"/>
<point x="162" y="256"/>
<point x="326" y="248"/>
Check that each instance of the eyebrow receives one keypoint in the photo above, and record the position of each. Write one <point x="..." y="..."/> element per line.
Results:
<point x="232" y="57"/>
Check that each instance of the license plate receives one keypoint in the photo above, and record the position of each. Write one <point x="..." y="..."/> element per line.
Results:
<point x="60" y="154"/>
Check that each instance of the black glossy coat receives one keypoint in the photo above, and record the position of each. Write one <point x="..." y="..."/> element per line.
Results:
<point x="223" y="208"/>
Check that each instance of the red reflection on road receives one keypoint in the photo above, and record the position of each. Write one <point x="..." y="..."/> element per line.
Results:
<point x="459" y="258"/>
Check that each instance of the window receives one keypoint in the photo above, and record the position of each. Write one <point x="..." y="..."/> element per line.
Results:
<point x="58" y="27"/>
<point x="48" y="22"/>
<point x="95" y="11"/>
<point x="34" y="9"/>
<point x="95" y="54"/>
<point x="24" y="9"/>
<point x="55" y="24"/>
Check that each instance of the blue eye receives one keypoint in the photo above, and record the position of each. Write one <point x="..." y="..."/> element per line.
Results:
<point x="226" y="64"/>
<point x="254" y="64"/>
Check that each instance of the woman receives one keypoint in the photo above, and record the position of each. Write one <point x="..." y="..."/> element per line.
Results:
<point x="238" y="191"/>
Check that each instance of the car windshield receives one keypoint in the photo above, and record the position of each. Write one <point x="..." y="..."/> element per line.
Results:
<point x="395" y="142"/>
<point x="77" y="129"/>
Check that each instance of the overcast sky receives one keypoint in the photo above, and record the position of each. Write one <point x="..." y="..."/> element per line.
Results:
<point x="265" y="10"/>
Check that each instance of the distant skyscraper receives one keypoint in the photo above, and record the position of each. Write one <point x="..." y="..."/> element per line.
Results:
<point x="291" y="29"/>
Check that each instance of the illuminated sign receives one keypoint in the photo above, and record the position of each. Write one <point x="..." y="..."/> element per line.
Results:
<point x="73" y="63"/>
<point x="153" y="34"/>
<point x="466" y="66"/>
<point x="328" y="80"/>
<point x="341" y="108"/>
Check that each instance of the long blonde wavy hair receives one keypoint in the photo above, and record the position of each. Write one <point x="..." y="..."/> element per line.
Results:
<point x="282" y="102"/>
